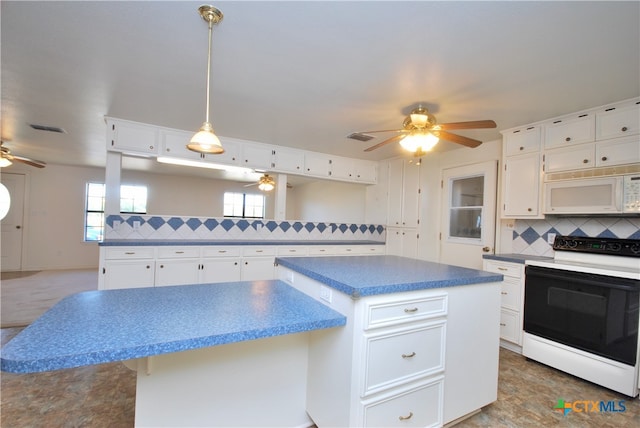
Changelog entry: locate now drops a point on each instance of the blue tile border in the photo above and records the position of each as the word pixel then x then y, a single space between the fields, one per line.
pixel 138 227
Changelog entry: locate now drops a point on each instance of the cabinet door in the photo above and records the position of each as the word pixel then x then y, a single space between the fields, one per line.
pixel 257 156
pixel 257 268
pixel 317 165
pixel 286 160
pixel 132 137
pixel 128 274
pixel 620 121
pixel 618 152
pixel 521 141
pixel 231 154
pixel 569 131
pixel 571 158
pixel 177 272
pixel 510 329
pixel 223 269
pixel 394 216
pixel 521 183
pixel 342 168
pixel 402 242
pixel 404 197
pixel 174 144
pixel 366 171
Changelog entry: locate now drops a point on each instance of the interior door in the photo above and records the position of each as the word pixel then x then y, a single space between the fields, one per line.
pixel 12 225
pixel 467 229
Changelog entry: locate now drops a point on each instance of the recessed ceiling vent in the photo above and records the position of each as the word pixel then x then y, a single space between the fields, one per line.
pixel 360 137
pixel 47 128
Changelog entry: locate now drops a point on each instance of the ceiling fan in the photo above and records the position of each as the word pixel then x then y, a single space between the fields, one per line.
pixel 421 132
pixel 6 158
pixel 266 183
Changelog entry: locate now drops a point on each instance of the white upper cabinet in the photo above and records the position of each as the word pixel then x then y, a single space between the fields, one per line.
pixel 521 141
pixel 569 131
pixel 618 121
pixel 618 152
pixel 231 155
pixel 521 186
pixel 257 156
pixel 317 164
pixel 174 144
pixel 404 194
pixel 137 138
pixel 288 160
pixel 570 158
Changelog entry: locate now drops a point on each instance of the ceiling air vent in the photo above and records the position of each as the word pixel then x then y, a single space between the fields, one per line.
pixel 360 137
pixel 47 128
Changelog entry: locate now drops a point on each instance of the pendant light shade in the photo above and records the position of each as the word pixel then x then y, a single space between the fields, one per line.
pixel 205 140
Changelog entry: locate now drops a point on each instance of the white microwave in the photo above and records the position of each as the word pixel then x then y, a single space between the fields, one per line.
pixel 585 196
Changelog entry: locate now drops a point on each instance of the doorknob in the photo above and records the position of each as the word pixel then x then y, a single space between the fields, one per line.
pixel 486 249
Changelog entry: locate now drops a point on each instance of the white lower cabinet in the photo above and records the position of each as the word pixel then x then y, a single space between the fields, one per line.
pixel 511 302
pixel 148 266
pixel 418 359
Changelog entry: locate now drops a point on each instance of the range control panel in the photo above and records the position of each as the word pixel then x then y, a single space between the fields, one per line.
pixel 610 246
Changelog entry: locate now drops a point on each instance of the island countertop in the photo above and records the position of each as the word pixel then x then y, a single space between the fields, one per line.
pixel 360 276
pixel 115 325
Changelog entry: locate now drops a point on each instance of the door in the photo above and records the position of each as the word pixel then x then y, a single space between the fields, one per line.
pixel 12 224
pixel 467 229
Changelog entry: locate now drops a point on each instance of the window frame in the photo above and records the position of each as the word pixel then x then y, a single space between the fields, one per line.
pixel 244 205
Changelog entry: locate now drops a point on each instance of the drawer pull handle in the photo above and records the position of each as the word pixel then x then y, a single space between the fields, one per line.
pixel 179 252
pixel 129 252
pixel 404 418
pixel 504 293
pixel 410 311
pixel 222 251
pixel 503 324
pixel 258 251
pixel 503 269
pixel 411 355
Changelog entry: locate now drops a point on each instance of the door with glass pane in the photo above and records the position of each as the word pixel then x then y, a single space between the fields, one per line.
pixel 468 214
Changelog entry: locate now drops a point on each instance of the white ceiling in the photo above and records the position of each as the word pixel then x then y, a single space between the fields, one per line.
pixel 305 74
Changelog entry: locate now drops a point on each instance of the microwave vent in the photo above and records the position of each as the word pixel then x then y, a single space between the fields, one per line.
pixel 594 172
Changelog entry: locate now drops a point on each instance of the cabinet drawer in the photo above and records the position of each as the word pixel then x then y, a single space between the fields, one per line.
pixel 258 251
pixel 178 252
pixel 215 251
pixel 510 292
pixel 345 249
pixel 296 250
pixel 390 313
pixel 132 252
pixel 401 356
pixel 321 250
pixel 505 268
pixel 421 406
pixel 373 249
pixel 510 326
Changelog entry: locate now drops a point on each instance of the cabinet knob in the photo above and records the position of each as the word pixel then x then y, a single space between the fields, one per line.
pixel 521 148
pixel 161 266
pixel 529 209
pixel 624 129
pixel 504 293
pixel 148 267
pixel 567 139
pixel 503 324
pixel 585 160
pixel 604 158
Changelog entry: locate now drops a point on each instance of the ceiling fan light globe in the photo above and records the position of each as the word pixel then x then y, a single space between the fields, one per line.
pixel 419 120
pixel 423 141
pixel 205 141
pixel 4 162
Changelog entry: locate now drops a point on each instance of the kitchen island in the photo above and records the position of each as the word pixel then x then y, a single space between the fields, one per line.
pixel 251 353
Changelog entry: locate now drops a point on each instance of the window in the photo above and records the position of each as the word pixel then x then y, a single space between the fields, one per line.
pixel 243 205
pixel 465 209
pixel 133 200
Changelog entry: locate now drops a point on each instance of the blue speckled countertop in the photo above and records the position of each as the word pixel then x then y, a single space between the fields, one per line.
pixel 115 325
pixel 514 258
pixel 369 275
pixel 160 242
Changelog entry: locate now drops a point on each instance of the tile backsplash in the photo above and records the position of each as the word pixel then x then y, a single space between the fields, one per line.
pixel 187 228
pixel 530 236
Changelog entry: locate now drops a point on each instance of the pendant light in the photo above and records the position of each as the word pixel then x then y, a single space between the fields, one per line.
pixel 205 140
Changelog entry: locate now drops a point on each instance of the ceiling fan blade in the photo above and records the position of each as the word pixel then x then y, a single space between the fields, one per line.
pixel 474 124
pixel 250 184
pixel 383 130
pixel 465 141
pixel 32 162
pixel 385 142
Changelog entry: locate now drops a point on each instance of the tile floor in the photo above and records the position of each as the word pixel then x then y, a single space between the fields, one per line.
pixel 104 396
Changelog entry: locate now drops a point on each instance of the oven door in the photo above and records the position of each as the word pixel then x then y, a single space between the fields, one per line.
pixel 594 313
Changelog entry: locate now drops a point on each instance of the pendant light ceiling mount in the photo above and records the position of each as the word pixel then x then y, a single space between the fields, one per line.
pixel 205 140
